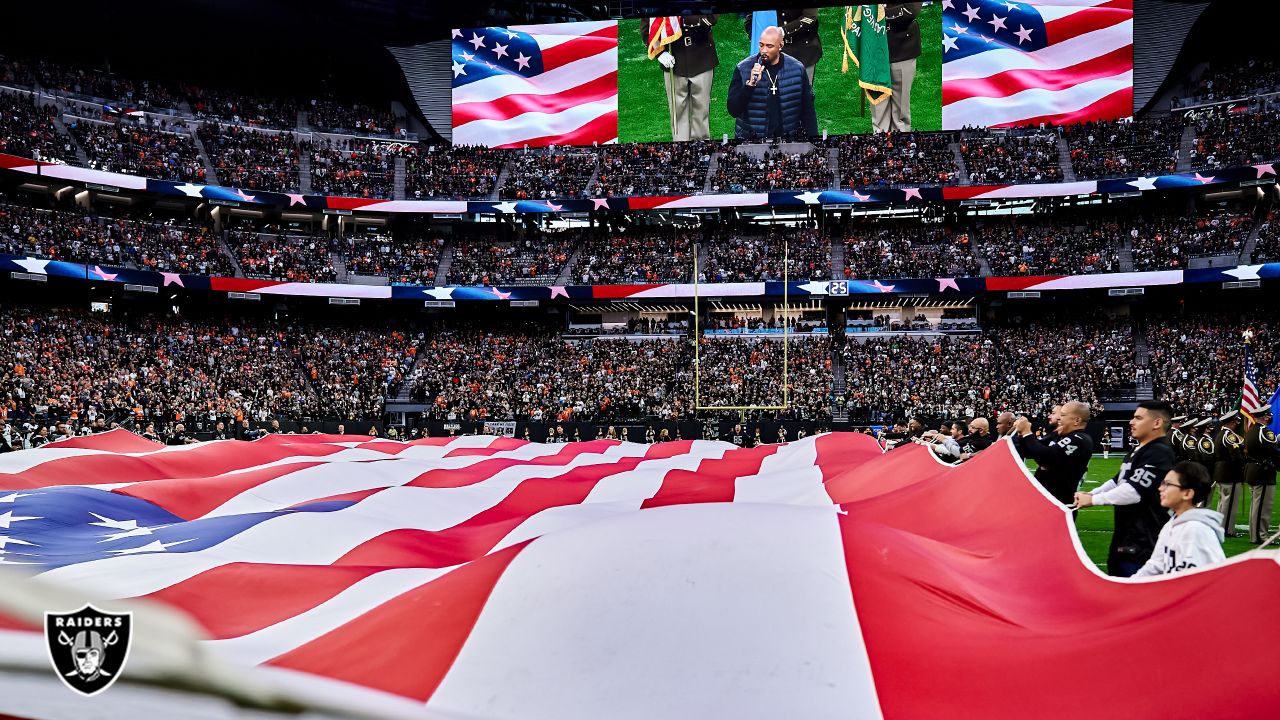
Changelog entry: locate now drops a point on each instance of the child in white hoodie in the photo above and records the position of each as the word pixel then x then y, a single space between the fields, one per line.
pixel 1193 537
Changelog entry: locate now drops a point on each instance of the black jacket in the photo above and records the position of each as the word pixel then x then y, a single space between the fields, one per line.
pixel 904 30
pixel 1061 462
pixel 1137 526
pixel 695 49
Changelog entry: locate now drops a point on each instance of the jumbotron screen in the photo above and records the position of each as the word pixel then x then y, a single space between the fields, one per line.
pixel 797 73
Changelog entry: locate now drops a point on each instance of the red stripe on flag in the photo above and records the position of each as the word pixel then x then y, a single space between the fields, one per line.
pixel 602 129
pixel 505 108
pixel 1010 82
pixel 1087 20
pixel 190 498
pixel 205 461
pixel 593 43
pixel 477 536
pixel 406 645
pixel 1014 282
pixel 969 588
pixel 714 480
pixel 1117 104
pixel 119 441
pixel 239 598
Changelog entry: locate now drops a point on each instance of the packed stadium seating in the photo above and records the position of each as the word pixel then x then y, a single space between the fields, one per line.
pixel 896 159
pixel 636 256
pixel 252 159
pixel 775 170
pixel 743 257
pixel 907 251
pixel 281 256
pixel 359 168
pixel 653 169
pixel 457 173
pixel 1143 147
pixel 27 130
pixel 1023 158
pixel 164 152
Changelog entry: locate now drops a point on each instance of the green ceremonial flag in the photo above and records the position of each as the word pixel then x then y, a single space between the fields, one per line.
pixel 866 42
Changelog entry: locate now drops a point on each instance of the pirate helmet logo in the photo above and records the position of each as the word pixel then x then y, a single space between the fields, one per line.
pixel 88 647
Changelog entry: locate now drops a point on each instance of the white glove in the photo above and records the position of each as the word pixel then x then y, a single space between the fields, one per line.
pixel 667 60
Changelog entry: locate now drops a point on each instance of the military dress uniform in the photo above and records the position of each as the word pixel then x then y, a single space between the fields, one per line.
pixel 1228 471
pixel 1262 454
pixel 894 114
pixel 688 82
pixel 799 36
pixel 1177 436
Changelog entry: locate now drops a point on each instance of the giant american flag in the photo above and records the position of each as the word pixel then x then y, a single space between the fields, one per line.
pixel 536 85
pixel 1021 63
pixel 487 577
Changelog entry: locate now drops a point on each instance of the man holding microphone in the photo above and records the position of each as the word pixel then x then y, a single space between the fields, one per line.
pixel 770 94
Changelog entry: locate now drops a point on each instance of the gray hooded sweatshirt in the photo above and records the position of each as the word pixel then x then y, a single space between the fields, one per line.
pixel 1192 539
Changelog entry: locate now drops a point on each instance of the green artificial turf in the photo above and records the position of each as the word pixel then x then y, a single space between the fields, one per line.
pixel 1094 524
pixel 642 107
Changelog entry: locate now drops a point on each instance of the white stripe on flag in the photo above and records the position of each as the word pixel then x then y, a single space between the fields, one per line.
pixel 1031 103
pixel 548 36
pixel 531 125
pixel 790 476
pixel 565 77
pixel 1051 10
pixel 1055 57
pixel 717 610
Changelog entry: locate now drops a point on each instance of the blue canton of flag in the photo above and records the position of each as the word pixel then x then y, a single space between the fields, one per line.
pixel 480 53
pixel 973 27
pixel 65 525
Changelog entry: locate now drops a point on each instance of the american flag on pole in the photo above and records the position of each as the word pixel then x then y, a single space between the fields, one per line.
pixel 487 577
pixel 1051 61
pixel 536 85
pixel 662 32
pixel 1250 401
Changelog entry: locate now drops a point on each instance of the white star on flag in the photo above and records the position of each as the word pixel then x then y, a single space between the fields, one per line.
pixel 499 294
pixel 908 193
pixel 944 283
pixel 1267 169
pixel 809 198
pixel 13 497
pixel 558 291
pixel 971 12
pixel 34 266
pixel 153 546
pixel 504 207
pixel 440 293
pixel 1144 183
pixel 107 522
pixel 599 203
pixel 948 43
pixel 511 35
pixel 8 518
pixel 1024 35
pixel 295 199
pixel 859 197
pixel 476 41
pixel 522 61
pixel 459 69
pixel 882 288
pixel 996 22
pixel 189 190
pixel 959 29
pixel 5 540
pixel 468 56
pixel 456 33
pixel 1244 272
pixel 1012 6
pixel 1204 180
pixel 172 278
pixel 500 50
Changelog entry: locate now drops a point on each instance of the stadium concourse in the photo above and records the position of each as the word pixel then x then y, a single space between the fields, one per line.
pixel 363 419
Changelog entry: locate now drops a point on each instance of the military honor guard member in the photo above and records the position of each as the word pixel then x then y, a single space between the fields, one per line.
pixel 688 60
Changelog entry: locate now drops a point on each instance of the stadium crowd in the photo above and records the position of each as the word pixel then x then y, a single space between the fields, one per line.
pixel 640 255
pixel 738 172
pixel 252 159
pixel 536 175
pixel 1049 247
pixel 410 258
pixel 907 251
pixel 358 168
pixel 1024 158
pixel 889 160
pixel 163 151
pixel 281 256
pixel 1101 149
pixel 444 172
pixel 653 169
pixel 532 260
pixel 27 130
pixel 741 257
